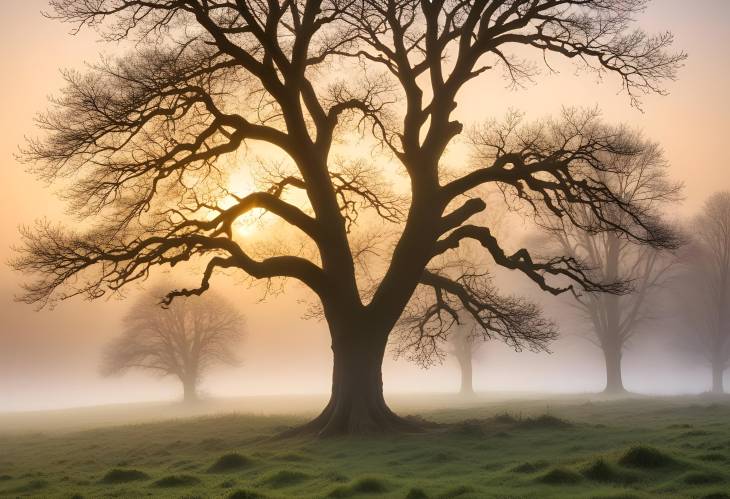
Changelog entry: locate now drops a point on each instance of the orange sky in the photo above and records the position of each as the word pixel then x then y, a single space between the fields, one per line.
pixel 45 356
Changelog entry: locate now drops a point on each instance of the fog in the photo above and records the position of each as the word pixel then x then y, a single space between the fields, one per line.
pixel 49 359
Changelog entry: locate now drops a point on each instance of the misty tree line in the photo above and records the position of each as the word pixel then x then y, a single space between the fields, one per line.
pixel 145 144
pixel 192 335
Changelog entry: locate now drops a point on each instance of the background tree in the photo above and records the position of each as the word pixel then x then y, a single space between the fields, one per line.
pixel 183 340
pixel 703 289
pixel 145 140
pixel 463 349
pixel 615 319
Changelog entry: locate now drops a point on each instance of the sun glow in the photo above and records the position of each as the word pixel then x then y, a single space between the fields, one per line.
pixel 240 185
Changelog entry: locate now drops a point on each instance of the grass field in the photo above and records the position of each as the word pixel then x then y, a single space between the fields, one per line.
pixel 562 447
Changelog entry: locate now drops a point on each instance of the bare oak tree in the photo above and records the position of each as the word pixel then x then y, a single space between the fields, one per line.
pixel 184 340
pixel 616 319
pixel 704 286
pixel 144 139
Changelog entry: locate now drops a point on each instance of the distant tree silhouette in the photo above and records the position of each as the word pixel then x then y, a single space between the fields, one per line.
pixel 183 340
pixel 703 288
pixel 463 347
pixel 615 319
pixel 147 139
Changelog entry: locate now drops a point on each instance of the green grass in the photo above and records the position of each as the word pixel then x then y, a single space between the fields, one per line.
pixel 566 447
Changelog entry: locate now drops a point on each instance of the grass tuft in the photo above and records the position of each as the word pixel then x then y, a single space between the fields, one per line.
pixel 230 462
pixel 177 481
pixel 468 428
pixel 366 485
pixel 713 457
pixel 441 457
pixel 118 475
pixel 695 433
pixel 701 478
pixel 600 471
pixel 560 476
pixel 456 492
pixel 32 486
pixel 416 494
pixel 505 418
pixel 716 495
pixel 291 457
pixel 246 494
pixel 530 467
pixel 334 476
pixel 544 421
pixel 645 457
pixel 624 495
pixel 369 485
pixel 285 478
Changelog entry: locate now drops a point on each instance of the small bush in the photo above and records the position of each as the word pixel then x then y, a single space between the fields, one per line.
pixel 4 478
pixel 645 457
pixel 177 481
pixel 118 475
pixel 229 462
pixel 560 476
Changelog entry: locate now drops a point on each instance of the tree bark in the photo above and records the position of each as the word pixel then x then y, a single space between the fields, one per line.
pixel 357 404
pixel 614 380
pixel 717 381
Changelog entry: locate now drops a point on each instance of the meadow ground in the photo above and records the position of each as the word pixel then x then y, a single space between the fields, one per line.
pixel 579 446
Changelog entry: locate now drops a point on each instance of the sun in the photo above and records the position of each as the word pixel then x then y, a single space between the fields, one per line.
pixel 241 184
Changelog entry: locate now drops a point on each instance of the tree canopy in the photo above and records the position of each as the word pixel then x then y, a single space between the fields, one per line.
pixel 143 140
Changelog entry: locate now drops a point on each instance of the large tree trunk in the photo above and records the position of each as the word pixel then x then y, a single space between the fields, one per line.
pixel 614 381
pixel 357 405
pixel 717 381
pixel 465 363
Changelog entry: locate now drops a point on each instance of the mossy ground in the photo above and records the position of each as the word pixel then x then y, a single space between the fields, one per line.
pixel 583 448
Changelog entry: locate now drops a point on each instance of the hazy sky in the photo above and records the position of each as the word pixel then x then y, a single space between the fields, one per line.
pixel 49 359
